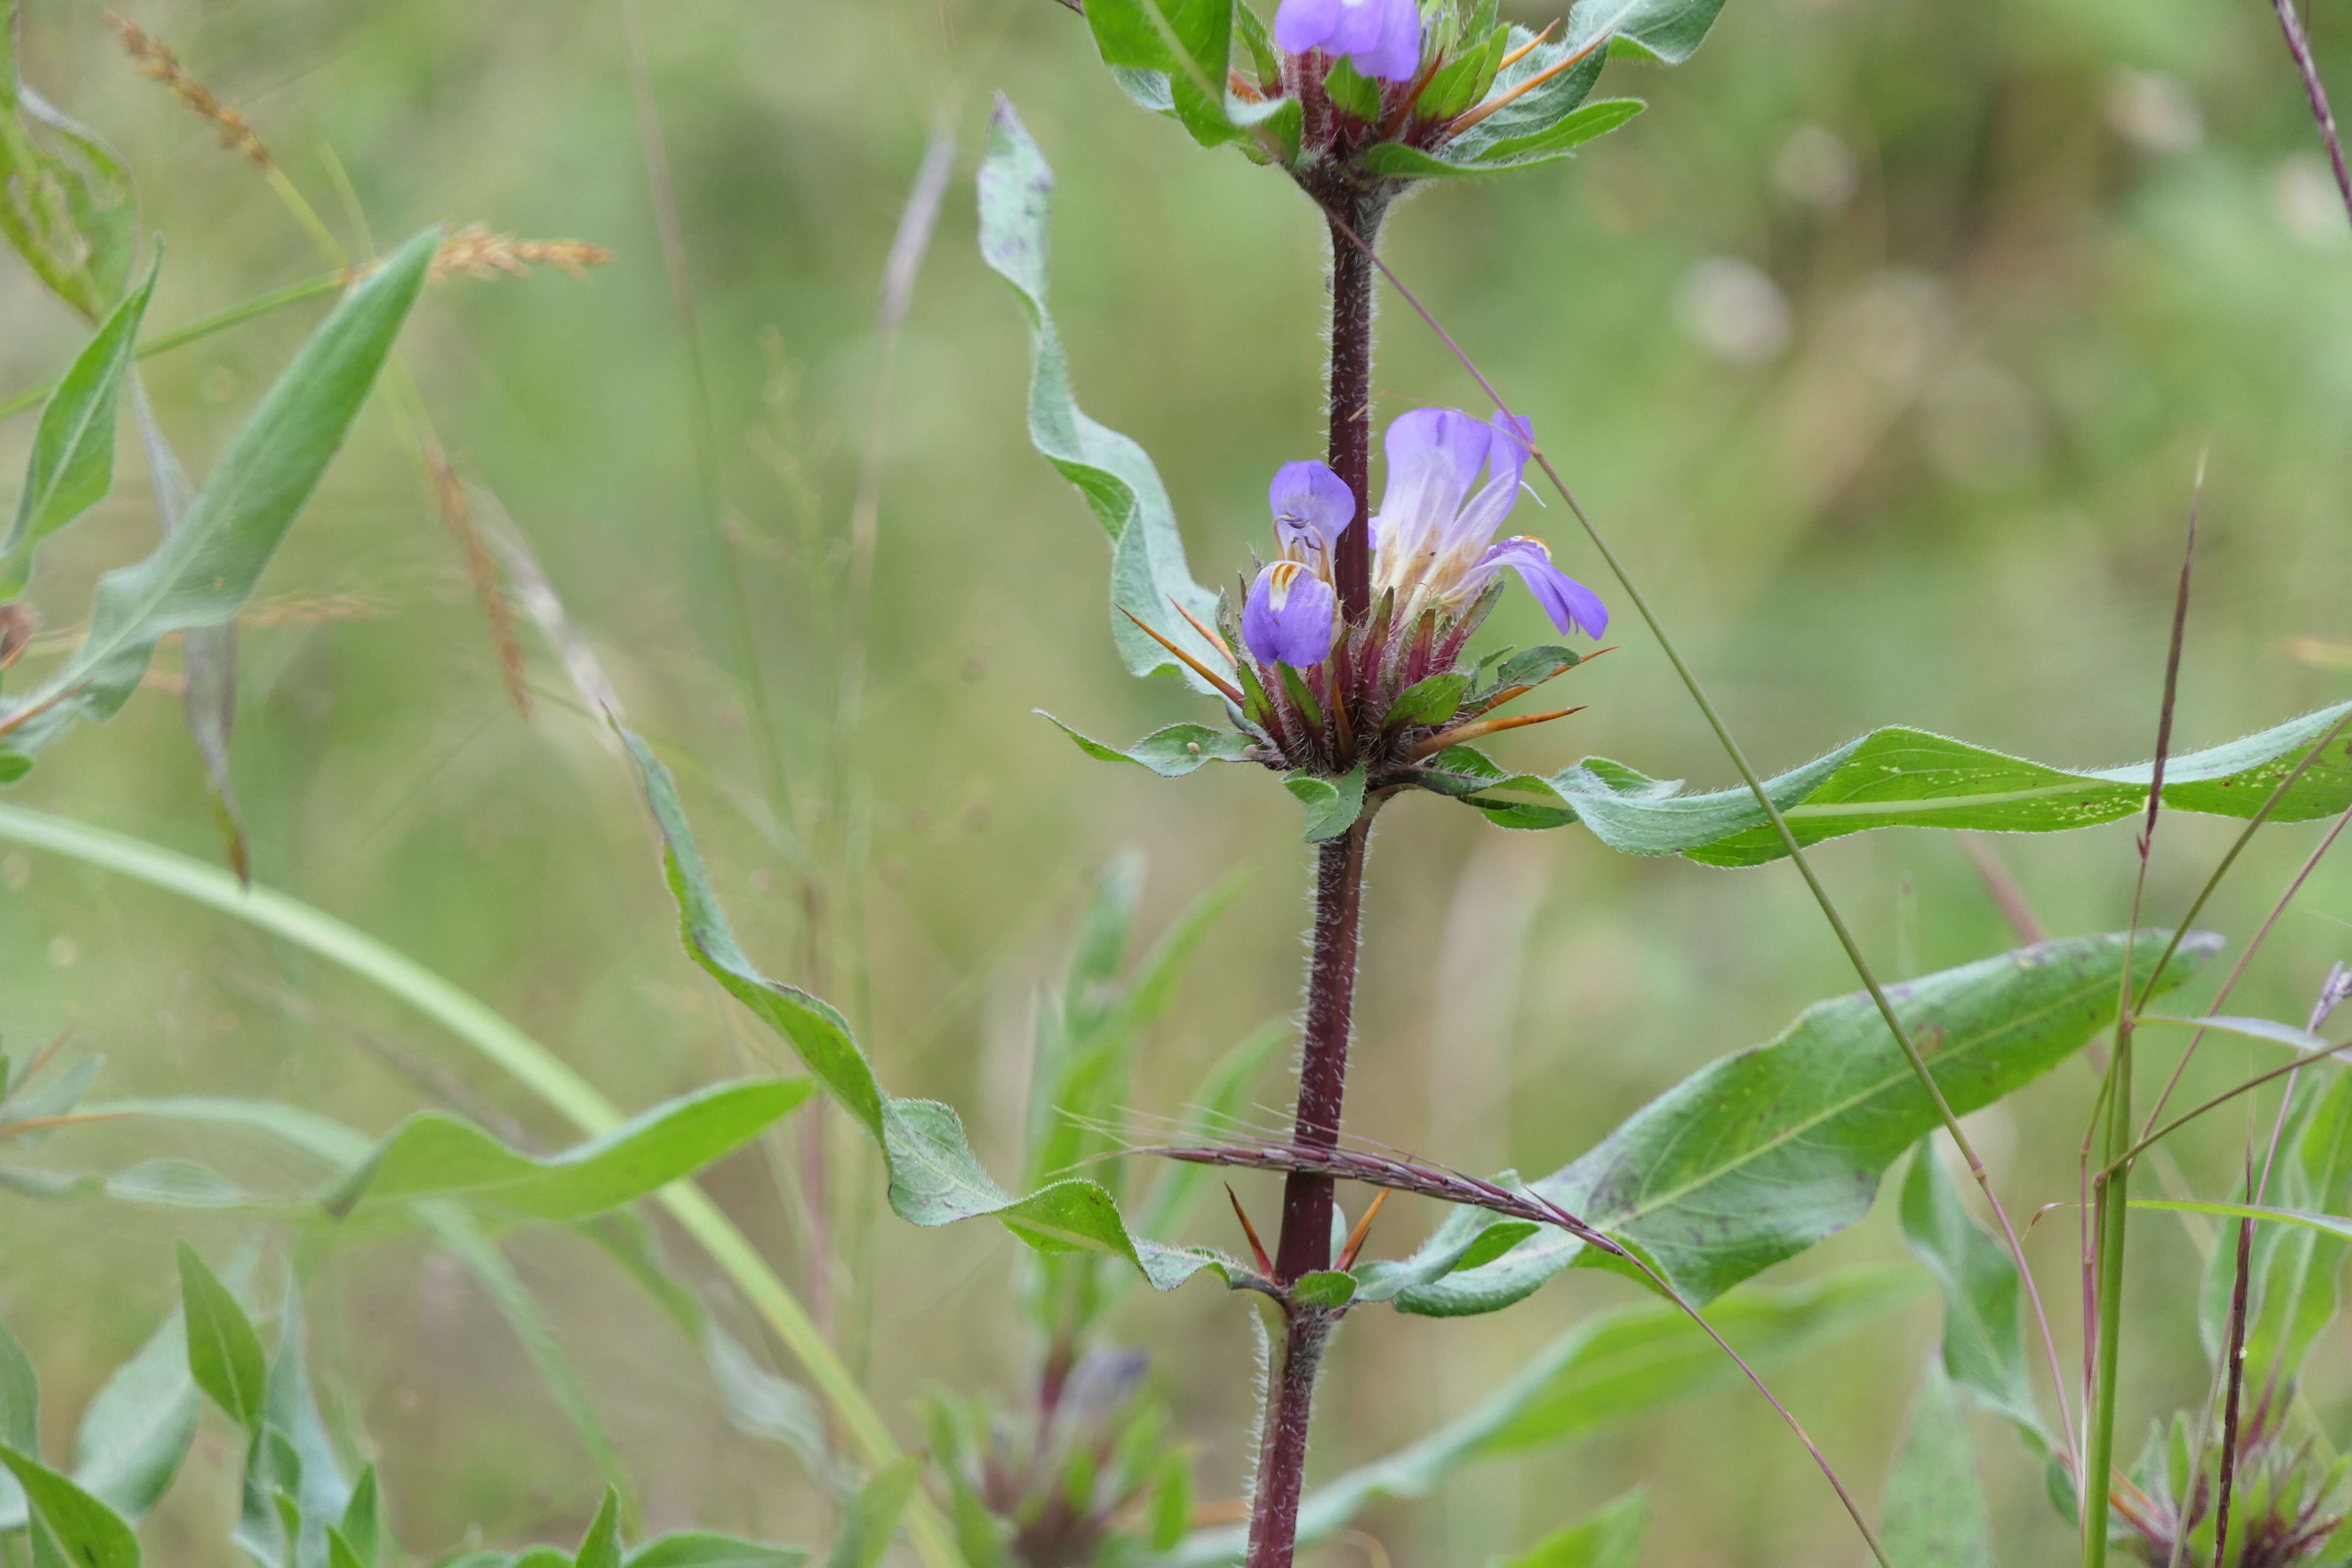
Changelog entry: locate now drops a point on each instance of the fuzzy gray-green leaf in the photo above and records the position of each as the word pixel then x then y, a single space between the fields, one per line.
pixel 1148 574
pixel 1755 1158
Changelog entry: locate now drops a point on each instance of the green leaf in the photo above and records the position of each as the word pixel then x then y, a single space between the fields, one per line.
pixel 294 1485
pixel 1935 1514
pixel 72 465
pixel 435 1155
pixel 1353 93
pixel 872 1517
pixel 934 1178
pixel 1665 30
pixel 1602 1371
pixel 225 1353
pixel 1430 701
pixel 1610 1539
pixel 1174 57
pixel 1332 804
pixel 1148 574
pixel 703 1549
pixel 1499 156
pixel 1908 778
pixel 601 1547
pixel 498 1042
pixel 1984 1313
pixel 136 1430
pixel 362 1530
pixel 1538 111
pixel 20 1422
pixel 1755 1158
pixel 1172 753
pixel 2294 1271
pixel 1327 1288
pixel 88 1533
pixel 65 196
pixel 202 575
pixel 341 1553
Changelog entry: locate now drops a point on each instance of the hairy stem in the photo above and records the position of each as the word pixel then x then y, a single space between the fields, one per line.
pixel 1307 1198
pixel 1351 390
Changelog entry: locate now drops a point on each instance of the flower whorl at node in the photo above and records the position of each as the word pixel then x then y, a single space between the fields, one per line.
pixel 1393 689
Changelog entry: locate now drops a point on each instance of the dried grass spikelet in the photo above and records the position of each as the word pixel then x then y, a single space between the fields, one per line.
pixel 315 610
pixel 476 252
pixel 457 510
pixel 160 64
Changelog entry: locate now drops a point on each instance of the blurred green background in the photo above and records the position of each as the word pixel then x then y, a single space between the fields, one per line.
pixel 1885 344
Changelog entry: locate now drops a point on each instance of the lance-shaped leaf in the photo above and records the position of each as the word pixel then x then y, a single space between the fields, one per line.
pixel 223 1351
pixel 1984 1312
pixel 435 1155
pixel 1935 1514
pixel 1172 753
pixel 1174 57
pixel 1907 778
pixel 1605 1370
pixel 1759 1156
pixel 1559 140
pixel 65 196
pixel 934 1178
pixel 1148 574
pixel 72 465
pixel 1610 1539
pixel 88 1533
pixel 202 575
pixel 1332 804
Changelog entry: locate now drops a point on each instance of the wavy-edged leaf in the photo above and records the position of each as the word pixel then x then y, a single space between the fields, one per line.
pixel 1172 753
pixel 64 195
pixel 1935 1514
pixel 1604 1369
pixel 435 1155
pixel 72 465
pixel 1984 1311
pixel 1909 778
pixel 89 1533
pixel 1610 1539
pixel 934 1178
pixel 1759 1155
pixel 202 575
pixel 1148 574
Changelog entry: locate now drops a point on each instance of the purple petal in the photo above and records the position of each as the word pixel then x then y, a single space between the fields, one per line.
pixel 1358 28
pixel 1290 616
pixel 1571 606
pixel 1397 56
pixel 1303 24
pixel 1507 442
pixel 1433 455
pixel 1311 505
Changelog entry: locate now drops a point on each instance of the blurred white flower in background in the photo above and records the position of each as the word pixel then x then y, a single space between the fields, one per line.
pixel 2154 113
pixel 1814 169
pixel 1733 310
pixel 2304 196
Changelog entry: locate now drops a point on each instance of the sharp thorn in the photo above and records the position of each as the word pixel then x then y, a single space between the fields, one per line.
pixel 1363 1228
pixel 1258 1249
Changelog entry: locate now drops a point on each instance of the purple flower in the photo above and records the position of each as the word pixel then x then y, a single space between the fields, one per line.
pixel 1434 535
pixel 1571 606
pixel 1312 507
pixel 1380 37
pixel 1291 617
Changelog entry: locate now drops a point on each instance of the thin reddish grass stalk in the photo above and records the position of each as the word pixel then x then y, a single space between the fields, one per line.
pixel 1772 812
pixel 2298 44
pixel 2237 1355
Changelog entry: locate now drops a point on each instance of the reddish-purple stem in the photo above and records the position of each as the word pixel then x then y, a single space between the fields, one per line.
pixel 2299 45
